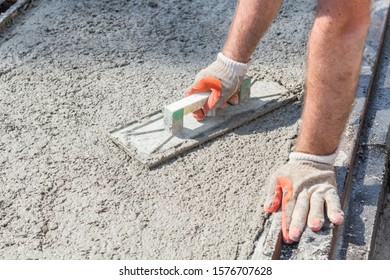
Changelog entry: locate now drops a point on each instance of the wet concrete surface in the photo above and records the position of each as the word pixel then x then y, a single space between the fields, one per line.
pixel 72 70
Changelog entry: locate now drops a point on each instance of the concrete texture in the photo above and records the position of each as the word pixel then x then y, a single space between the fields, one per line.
pixel 10 9
pixel 269 244
pixel 72 70
pixel 370 181
pixel 368 190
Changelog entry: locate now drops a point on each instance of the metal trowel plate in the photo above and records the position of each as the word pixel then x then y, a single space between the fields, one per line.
pixel 147 140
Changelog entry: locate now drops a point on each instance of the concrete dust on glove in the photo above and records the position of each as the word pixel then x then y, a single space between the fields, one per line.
pixel 223 78
pixel 302 188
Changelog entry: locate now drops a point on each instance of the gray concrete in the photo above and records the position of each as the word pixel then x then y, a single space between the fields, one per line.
pixel 72 70
pixel 268 244
pixel 369 185
pixel 367 196
pixel 7 16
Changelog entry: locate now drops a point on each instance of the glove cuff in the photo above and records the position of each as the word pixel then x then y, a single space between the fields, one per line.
pixel 328 159
pixel 236 68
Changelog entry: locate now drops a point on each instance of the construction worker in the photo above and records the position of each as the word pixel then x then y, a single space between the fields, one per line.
pixel 306 183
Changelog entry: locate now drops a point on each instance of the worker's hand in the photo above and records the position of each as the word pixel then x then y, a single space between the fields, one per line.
pixel 223 78
pixel 302 188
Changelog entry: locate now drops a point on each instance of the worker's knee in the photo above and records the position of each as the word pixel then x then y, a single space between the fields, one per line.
pixel 343 16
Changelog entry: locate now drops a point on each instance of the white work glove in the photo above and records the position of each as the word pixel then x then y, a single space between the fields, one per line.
pixel 302 187
pixel 223 78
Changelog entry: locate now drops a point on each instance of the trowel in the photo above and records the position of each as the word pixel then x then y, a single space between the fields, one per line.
pixel 173 130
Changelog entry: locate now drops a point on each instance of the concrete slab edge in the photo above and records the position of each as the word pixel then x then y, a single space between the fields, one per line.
pixel 268 245
pixel 366 203
pixel 13 11
pixel 381 198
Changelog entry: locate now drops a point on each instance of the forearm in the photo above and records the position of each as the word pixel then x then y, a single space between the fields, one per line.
pixel 334 59
pixel 251 20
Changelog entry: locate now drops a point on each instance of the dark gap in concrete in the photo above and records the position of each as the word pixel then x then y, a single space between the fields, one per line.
pixel 288 251
pixel 382 244
pixel 5 5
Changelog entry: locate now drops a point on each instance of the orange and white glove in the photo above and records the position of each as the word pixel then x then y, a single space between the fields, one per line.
pixel 223 78
pixel 302 187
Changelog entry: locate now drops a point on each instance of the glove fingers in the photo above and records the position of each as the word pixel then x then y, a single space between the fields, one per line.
pixel 198 115
pixel 224 105
pixel 288 203
pixel 274 197
pixel 203 85
pixel 333 207
pixel 299 216
pixel 212 100
pixel 273 204
pixel 234 99
pixel 316 213
pixel 287 210
pixel 208 84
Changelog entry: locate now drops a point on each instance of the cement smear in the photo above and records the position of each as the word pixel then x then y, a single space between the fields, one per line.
pixel 72 70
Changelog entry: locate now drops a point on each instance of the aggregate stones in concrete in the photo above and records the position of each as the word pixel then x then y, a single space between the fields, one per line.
pixel 72 70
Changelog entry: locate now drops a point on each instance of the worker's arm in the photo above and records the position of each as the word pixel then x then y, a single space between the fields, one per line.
pixel 224 77
pixel 251 20
pixel 307 182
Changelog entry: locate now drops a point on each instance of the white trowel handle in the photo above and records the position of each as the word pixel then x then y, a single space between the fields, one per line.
pixel 175 112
